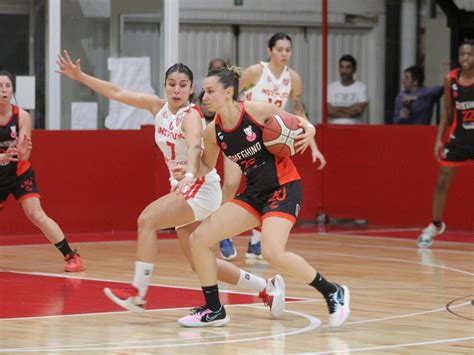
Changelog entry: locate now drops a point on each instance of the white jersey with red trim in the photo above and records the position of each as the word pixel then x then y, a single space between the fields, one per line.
pixel 271 89
pixel 170 138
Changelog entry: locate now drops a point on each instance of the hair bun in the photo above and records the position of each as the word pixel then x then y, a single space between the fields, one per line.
pixel 237 71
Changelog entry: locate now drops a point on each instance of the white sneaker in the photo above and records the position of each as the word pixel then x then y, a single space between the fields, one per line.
pixel 273 295
pixel 426 238
pixel 127 298
pixel 338 305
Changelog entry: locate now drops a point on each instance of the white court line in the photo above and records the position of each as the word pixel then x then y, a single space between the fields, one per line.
pixel 313 324
pixel 382 230
pixel 404 345
pixel 378 246
pixel 408 315
pixel 375 237
pixel 398 260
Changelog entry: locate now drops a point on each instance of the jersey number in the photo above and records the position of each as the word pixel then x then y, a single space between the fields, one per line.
pixel 173 152
pixel 277 103
pixel 468 115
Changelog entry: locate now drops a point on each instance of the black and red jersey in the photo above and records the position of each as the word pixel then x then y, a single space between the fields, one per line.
pixel 8 134
pixel 243 144
pixel 462 98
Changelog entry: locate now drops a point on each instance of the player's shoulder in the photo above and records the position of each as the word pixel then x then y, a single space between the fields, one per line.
pixel 295 76
pixel 254 69
pixel 23 114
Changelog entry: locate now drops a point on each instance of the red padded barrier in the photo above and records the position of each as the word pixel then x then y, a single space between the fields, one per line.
pixel 387 174
pixel 100 181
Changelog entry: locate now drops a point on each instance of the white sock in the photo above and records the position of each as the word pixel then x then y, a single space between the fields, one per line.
pixel 247 280
pixel 142 277
pixel 256 235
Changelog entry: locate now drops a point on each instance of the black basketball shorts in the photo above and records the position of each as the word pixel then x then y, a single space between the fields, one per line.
pixel 283 201
pixel 22 187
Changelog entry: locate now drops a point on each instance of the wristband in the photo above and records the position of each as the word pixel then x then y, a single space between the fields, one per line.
pixel 189 175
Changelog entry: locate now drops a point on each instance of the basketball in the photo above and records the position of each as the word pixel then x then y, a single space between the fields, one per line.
pixel 279 134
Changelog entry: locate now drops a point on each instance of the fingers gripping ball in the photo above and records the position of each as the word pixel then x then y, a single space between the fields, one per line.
pixel 279 134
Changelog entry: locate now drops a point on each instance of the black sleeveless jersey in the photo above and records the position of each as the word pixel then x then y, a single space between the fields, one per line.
pixel 8 134
pixel 462 98
pixel 243 145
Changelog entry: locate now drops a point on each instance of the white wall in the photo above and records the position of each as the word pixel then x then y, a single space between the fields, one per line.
pixel 355 27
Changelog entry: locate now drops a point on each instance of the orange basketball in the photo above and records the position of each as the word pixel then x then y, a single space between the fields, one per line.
pixel 279 134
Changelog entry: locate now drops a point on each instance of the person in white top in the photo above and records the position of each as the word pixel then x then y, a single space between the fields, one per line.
pixel 347 98
pixel 274 82
pixel 178 133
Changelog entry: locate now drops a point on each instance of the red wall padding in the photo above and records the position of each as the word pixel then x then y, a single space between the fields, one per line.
pixel 94 181
pixel 387 174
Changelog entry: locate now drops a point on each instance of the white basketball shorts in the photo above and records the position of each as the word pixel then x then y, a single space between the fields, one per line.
pixel 204 197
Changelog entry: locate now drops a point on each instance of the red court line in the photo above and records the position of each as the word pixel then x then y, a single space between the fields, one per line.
pixel 27 295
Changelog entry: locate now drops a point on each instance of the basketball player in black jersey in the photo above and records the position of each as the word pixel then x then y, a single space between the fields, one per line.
pixel 18 178
pixel 272 198
pixel 459 151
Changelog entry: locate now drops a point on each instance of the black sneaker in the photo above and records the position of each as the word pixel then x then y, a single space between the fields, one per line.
pixel 338 305
pixel 204 317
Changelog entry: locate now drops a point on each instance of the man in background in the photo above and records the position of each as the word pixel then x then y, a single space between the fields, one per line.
pixel 414 104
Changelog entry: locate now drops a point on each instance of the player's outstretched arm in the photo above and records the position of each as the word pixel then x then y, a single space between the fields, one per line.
pixel 72 70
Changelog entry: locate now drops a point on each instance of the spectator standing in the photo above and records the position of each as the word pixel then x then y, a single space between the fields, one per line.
pixel 414 104
pixel 347 98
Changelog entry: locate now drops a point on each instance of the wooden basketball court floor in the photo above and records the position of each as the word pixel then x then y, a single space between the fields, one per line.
pixel 403 300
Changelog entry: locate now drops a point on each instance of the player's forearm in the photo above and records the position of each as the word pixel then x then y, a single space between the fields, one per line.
pixel 102 87
pixel 443 124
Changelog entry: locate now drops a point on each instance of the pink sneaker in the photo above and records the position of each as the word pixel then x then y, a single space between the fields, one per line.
pixel 204 317
pixel 273 295
pixel 74 262
pixel 127 298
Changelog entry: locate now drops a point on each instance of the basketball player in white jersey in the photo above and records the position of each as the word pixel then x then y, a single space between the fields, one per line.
pixel 179 127
pixel 274 82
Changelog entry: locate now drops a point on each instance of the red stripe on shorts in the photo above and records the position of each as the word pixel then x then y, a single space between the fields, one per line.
pixel 193 190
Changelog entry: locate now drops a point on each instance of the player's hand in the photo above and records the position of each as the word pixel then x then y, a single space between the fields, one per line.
pixel 183 185
pixel 178 173
pixel 67 67
pixel 11 154
pixel 304 139
pixel 317 155
pixel 438 150
pixel 24 146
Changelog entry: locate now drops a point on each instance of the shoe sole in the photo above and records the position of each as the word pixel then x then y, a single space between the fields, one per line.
pixel 124 304
pixel 278 304
pixel 80 270
pixel 347 301
pixel 216 323
pixel 230 257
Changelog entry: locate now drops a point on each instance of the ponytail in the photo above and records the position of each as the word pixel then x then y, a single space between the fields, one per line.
pixel 229 77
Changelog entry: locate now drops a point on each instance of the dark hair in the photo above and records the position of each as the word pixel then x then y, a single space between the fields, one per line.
pixel 276 37
pixel 417 73
pixel 350 59
pixel 10 76
pixel 228 76
pixel 467 42
pixel 181 68
pixel 213 61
